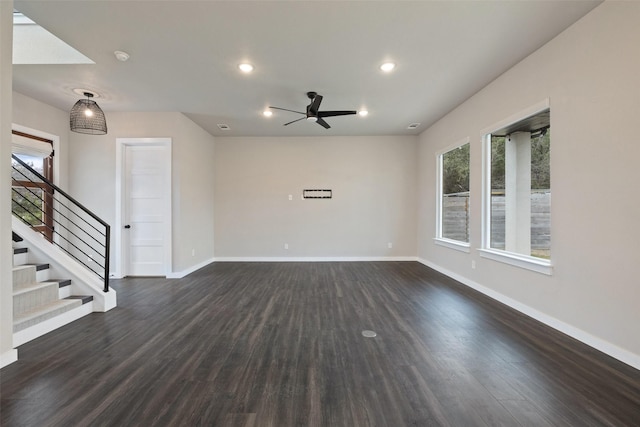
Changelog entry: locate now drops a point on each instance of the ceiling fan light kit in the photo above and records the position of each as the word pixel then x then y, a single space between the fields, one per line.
pixel 313 114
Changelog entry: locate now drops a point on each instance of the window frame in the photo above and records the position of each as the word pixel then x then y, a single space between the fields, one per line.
pixel 46 227
pixel 527 262
pixel 439 239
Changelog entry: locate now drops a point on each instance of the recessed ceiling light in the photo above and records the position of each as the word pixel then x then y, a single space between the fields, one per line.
pixel 267 113
pixel 413 125
pixel 245 67
pixel 387 67
pixel 363 113
pixel 222 126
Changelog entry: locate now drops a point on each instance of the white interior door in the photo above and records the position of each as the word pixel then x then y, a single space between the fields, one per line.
pixel 145 210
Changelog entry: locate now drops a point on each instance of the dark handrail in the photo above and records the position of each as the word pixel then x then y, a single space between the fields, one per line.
pixel 55 189
pixel 27 209
pixel 59 190
pixel 60 213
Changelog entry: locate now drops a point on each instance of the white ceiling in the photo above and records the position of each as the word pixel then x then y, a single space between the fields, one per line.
pixel 184 57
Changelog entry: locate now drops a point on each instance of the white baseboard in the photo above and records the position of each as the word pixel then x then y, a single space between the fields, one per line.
pixel 314 259
pixel 183 273
pixel 8 357
pixel 606 347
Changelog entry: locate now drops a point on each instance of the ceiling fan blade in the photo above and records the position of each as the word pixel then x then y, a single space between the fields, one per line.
pixel 322 123
pixel 315 104
pixel 297 120
pixel 335 113
pixel 284 109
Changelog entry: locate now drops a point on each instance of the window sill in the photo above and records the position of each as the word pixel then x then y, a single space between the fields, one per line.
pixel 452 244
pixel 529 263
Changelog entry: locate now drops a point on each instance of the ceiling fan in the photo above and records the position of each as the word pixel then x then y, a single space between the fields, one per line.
pixel 313 115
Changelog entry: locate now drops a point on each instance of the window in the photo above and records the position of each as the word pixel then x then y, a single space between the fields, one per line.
pixel 453 197
pixel 517 193
pixel 30 201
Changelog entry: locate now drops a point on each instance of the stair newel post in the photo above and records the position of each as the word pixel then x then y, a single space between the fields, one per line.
pixel 107 246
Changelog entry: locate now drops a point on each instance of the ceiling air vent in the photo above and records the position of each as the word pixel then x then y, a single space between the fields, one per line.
pixel 317 194
pixel 222 126
pixel 413 125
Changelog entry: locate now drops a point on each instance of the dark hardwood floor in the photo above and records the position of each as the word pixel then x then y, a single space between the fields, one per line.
pixel 280 344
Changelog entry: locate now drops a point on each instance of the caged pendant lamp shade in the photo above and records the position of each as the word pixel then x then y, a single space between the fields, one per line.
pixel 87 117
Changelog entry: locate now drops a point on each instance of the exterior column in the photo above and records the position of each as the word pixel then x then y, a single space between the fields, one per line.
pixel 518 193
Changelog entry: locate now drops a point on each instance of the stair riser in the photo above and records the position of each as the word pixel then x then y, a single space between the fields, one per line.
pixel 20 259
pixel 43 275
pixel 64 292
pixel 28 301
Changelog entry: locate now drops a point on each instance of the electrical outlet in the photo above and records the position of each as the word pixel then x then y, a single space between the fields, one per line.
pixel 390 245
pixel 193 252
pixel 290 196
pixel 286 246
pixel 473 264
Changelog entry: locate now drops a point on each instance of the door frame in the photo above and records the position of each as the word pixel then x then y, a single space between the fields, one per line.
pixel 121 241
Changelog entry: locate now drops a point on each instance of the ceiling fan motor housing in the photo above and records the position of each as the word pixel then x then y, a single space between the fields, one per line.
pixel 313 115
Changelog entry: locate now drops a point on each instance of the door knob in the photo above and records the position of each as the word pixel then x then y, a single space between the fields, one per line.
pixel 127 226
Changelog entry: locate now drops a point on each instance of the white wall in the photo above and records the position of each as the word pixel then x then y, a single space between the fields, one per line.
pixel 193 221
pixel 92 161
pixel 590 73
pixel 373 180
pixel 7 353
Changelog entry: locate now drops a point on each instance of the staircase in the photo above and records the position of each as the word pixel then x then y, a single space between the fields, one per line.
pixel 54 236
pixel 41 303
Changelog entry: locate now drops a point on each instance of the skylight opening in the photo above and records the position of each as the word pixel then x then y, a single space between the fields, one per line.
pixel 32 44
pixel 20 19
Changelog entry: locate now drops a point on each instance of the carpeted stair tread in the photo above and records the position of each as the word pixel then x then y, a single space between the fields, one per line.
pixel 28 273
pixel 23 275
pixel 44 312
pixel 33 296
pixel 34 287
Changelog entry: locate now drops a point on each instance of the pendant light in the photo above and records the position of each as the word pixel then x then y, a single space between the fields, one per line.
pixel 87 117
